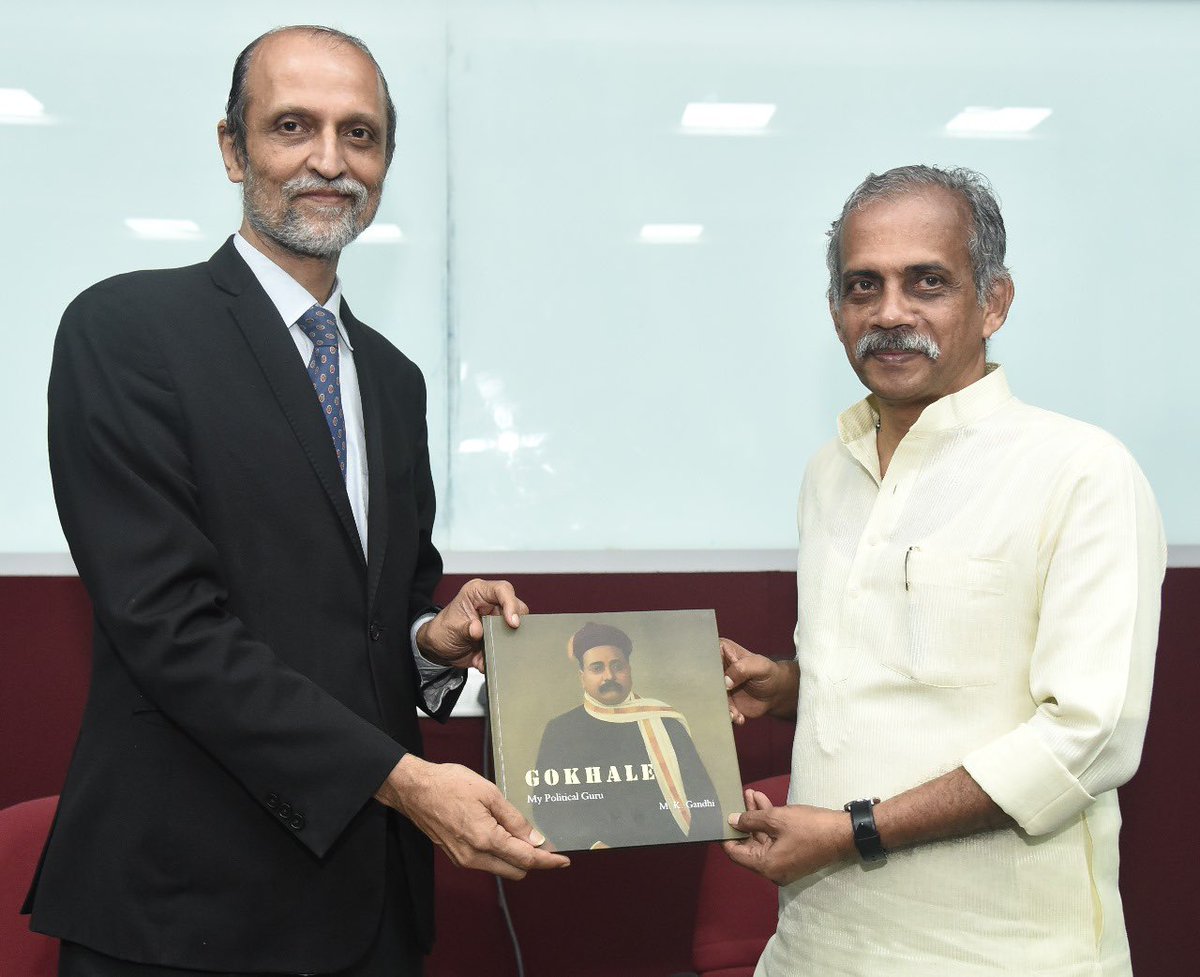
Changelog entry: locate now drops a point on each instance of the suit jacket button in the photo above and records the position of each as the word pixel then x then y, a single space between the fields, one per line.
pixel 375 631
pixel 272 801
pixel 285 811
pixel 297 822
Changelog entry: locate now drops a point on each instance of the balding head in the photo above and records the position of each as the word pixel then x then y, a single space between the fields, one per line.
pixel 240 89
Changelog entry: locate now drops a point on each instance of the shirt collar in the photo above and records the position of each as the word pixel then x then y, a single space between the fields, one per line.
pixel 288 296
pixel 954 410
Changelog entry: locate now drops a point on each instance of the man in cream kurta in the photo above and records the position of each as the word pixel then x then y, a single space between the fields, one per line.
pixel 978 611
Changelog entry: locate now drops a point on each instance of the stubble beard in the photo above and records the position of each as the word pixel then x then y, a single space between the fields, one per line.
pixel 322 236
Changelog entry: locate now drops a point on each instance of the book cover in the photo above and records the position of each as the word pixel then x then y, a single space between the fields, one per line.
pixel 612 730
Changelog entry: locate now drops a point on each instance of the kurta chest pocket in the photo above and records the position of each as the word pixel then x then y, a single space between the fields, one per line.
pixel 956 613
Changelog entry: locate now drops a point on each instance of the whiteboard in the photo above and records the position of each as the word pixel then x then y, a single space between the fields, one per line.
pixel 592 392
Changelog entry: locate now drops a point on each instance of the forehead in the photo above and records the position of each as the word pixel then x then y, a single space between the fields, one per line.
pixel 315 72
pixel 930 226
pixel 602 654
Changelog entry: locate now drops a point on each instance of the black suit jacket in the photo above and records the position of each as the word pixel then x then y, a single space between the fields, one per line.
pixel 252 682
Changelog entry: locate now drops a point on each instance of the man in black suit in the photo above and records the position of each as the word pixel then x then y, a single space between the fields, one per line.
pixel 241 470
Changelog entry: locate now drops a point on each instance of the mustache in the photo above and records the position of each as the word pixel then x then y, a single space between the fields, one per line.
pixel 343 184
pixel 611 686
pixel 896 341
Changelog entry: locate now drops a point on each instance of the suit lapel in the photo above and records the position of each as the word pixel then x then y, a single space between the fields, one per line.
pixel 377 509
pixel 267 336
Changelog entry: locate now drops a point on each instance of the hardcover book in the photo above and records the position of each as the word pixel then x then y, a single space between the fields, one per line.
pixel 612 730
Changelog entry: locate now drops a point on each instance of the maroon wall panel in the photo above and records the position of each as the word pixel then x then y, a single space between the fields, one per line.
pixel 45 631
pixel 1158 873
pixel 45 663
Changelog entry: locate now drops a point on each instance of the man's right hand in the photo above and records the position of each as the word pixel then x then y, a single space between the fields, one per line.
pixel 757 685
pixel 466 817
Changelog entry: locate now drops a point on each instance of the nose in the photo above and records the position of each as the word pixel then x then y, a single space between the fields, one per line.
pixel 327 159
pixel 893 309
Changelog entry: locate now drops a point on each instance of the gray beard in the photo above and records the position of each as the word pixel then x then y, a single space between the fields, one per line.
pixel 303 235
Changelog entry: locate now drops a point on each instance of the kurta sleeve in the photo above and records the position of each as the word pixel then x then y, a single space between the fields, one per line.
pixel 1102 558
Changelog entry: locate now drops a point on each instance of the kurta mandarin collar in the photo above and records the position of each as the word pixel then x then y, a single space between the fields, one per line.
pixel 955 410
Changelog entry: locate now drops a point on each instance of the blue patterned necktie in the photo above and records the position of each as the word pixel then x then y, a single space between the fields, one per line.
pixel 321 328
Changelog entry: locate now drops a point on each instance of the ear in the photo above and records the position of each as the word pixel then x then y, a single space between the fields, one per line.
pixel 999 301
pixel 235 166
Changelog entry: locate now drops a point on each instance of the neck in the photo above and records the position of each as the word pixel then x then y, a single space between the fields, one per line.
pixel 894 424
pixel 315 275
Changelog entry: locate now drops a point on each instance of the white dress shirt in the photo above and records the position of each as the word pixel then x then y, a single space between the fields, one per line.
pixel 293 300
pixel 991 602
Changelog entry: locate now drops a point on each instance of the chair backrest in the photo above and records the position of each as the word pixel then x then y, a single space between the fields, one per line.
pixel 736 910
pixel 23 830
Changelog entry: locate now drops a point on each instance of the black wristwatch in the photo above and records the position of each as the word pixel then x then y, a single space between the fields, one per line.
pixel 866 835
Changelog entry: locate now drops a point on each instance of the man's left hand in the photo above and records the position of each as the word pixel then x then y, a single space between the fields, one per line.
pixel 789 842
pixel 455 636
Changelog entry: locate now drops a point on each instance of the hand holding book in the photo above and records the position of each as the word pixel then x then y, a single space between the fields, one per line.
pixel 455 636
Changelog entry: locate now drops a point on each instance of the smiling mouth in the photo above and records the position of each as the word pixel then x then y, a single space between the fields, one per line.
pixel 895 354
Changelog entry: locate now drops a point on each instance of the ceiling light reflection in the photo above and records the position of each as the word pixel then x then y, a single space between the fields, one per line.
pixel 382 234
pixel 19 107
pixel 976 121
pixel 508 442
pixel 489 387
pixel 727 117
pixel 163 229
pixel 671 233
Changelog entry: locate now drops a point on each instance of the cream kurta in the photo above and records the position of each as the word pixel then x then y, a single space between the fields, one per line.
pixel 992 603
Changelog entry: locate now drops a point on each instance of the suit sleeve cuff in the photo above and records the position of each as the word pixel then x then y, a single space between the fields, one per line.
pixel 1027 781
pixel 439 684
pixel 320 827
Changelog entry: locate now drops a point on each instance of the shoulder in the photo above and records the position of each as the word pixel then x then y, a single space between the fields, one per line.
pixel 830 453
pixel 137 286
pixel 376 345
pixel 571 719
pixel 127 319
pixel 1061 442
pixel 124 302
pixel 1077 469
pixel 570 716
pixel 832 457
pixel 676 728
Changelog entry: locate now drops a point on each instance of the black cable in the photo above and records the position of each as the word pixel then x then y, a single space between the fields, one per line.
pixel 501 898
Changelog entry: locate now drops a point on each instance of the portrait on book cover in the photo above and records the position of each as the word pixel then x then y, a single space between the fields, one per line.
pixel 621 717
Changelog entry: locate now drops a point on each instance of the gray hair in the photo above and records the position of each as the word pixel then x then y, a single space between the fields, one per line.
pixel 985 243
pixel 235 107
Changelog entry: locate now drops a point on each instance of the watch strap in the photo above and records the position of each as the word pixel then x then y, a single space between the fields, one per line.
pixel 866 835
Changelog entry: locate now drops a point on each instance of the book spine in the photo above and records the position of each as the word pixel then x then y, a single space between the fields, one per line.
pixel 493 695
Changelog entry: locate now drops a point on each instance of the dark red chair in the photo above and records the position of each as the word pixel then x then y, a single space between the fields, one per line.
pixel 23 830
pixel 736 910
